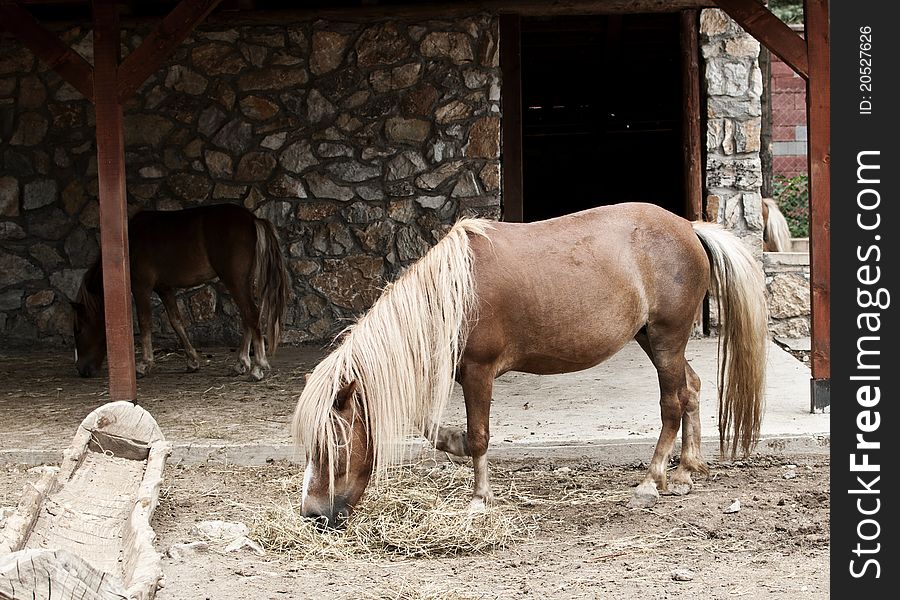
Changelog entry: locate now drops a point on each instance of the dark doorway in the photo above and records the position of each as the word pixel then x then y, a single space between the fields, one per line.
pixel 602 111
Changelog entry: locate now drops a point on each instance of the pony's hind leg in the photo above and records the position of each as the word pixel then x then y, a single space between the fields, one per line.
pixel 691 460
pixel 670 367
pixel 252 333
pixel 177 321
pixel 242 366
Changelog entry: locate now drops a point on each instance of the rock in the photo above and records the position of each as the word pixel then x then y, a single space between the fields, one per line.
pixel 743 46
pixel 372 193
pixel 353 171
pixel 211 118
pixel 235 136
pixel 31 130
pixel 182 79
pixel 274 141
pixel 377 237
pixel 318 107
pixel 186 550
pixel 410 244
pixel 11 299
pixel 431 202
pixel 352 282
pixel 381 44
pixel 682 575
pixel 328 49
pixel 715 22
pixel 298 157
pixel 52 225
pixel 490 177
pixel 473 78
pixel 433 179
pixel 320 186
pixel 285 186
pixel 255 166
pixel 332 150
pixel 454 110
pixel 81 248
pixel 203 304
pixel 746 135
pixel 190 187
pixel 40 299
pixel 9 197
pixel 788 296
pixel 218 164
pixel 258 108
pixel 790 474
pixel 273 78
pixel 10 230
pixel 146 129
pixel 404 165
pixel 217 59
pixel 363 212
pixel 733 507
pixel 447 44
pixel 398 78
pixel 224 191
pixel 332 239
pixel 484 139
pixel 465 187
pixel 315 211
pixel 32 93
pixel 17 270
pixel 727 77
pixel 46 255
pixel 404 130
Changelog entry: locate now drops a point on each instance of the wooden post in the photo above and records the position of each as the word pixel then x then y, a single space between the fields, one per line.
pixel 511 99
pixel 690 130
pixel 818 115
pixel 113 203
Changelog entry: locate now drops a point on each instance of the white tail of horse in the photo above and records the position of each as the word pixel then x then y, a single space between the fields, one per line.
pixel 777 233
pixel 739 285
pixel 402 354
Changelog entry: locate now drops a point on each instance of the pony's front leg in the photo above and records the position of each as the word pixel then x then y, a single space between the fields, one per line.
pixel 477 383
pixel 145 322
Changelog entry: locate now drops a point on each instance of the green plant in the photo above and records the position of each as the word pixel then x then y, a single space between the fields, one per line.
pixel 789 11
pixel 792 195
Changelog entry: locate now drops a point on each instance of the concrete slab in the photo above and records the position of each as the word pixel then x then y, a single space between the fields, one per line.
pixel 608 413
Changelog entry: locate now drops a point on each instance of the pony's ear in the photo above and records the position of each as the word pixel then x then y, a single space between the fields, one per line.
pixel 344 395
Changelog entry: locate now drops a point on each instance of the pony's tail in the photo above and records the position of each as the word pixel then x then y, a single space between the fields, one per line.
pixel 272 281
pixel 738 284
pixel 777 233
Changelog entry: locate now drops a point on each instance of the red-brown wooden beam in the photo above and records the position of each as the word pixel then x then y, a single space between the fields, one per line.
pixel 511 104
pixel 48 48
pixel 113 203
pixel 159 44
pixel 690 130
pixel 770 30
pixel 818 115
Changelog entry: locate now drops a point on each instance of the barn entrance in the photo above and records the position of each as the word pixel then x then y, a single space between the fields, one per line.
pixel 602 107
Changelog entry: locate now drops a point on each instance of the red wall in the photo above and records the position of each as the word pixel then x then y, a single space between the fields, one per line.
pixel 788 120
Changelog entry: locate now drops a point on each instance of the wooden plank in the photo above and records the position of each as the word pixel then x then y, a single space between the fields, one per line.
pixel 691 117
pixel 113 203
pixel 759 22
pixel 48 48
pixel 524 8
pixel 818 115
pixel 511 104
pixel 160 43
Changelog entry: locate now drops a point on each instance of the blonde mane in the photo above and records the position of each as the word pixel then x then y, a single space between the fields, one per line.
pixel 402 354
pixel 777 233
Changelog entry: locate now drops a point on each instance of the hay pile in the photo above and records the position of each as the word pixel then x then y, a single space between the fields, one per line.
pixel 411 512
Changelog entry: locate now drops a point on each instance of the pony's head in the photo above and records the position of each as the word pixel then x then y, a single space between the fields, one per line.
pixel 89 327
pixel 338 469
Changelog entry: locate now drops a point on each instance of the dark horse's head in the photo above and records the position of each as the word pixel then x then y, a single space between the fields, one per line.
pixel 90 324
pixel 338 472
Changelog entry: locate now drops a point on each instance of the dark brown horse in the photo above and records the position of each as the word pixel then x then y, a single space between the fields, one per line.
pixel 181 249
pixel 555 296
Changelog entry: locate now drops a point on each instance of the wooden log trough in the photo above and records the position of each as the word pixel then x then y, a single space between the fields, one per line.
pixel 84 530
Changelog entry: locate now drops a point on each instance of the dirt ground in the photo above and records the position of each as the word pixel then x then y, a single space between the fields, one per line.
pixel 586 543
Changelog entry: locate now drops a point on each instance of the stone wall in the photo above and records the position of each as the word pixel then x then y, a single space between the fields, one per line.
pixel 787 291
pixel 362 142
pixel 733 89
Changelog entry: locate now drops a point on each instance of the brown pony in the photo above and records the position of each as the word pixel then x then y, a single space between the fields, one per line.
pixel 776 233
pixel 184 248
pixel 555 296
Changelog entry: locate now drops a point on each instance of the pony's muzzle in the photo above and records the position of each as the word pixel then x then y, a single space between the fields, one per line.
pixel 329 519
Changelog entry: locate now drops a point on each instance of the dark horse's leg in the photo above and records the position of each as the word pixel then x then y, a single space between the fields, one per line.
pixel 177 321
pixel 678 387
pixel 243 297
pixel 145 322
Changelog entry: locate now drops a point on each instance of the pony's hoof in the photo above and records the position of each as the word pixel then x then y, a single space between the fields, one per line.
pixel 192 367
pixel 256 374
pixel 645 496
pixel 239 369
pixel 142 371
pixel 681 488
pixel 477 506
